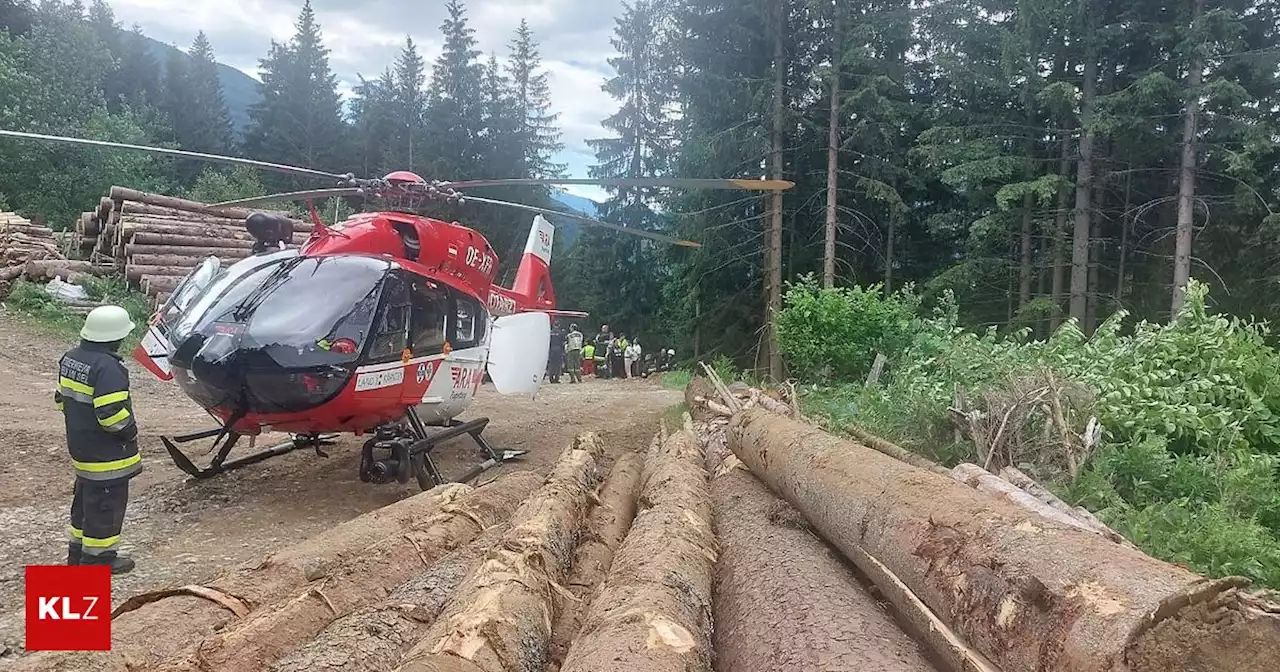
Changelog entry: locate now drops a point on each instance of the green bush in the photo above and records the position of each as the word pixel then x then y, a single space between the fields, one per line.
pixel 836 333
pixel 29 299
pixel 1189 461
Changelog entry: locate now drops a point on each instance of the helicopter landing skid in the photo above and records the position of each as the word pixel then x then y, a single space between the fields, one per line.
pixel 225 440
pixel 408 452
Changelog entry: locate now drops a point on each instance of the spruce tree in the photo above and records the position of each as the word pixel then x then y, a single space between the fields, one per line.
pixel 139 73
pixel 210 126
pixel 455 100
pixel 176 95
pixel 531 97
pixel 299 118
pixel 618 275
pixel 408 78
pixel 374 122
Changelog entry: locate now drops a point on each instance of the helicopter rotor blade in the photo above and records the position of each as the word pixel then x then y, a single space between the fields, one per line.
pixel 213 158
pixel 672 182
pixel 291 196
pixel 590 220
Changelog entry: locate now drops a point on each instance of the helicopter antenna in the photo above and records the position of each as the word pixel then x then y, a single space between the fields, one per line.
pixel 215 158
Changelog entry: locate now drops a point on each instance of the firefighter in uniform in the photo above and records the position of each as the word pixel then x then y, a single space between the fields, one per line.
pixel 102 437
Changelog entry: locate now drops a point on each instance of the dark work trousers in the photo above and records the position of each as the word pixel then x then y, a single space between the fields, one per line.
pixel 555 365
pixel 97 516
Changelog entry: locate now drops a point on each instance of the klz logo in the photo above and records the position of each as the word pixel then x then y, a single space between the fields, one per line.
pixel 68 608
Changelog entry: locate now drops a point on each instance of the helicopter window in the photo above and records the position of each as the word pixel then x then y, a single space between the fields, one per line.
pixel 391 333
pixel 311 311
pixel 470 322
pixel 430 308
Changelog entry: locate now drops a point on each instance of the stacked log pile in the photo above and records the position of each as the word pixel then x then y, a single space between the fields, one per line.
pixel 22 241
pixel 155 240
pixel 749 540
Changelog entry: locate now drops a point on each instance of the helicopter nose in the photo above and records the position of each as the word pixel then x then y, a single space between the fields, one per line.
pixel 236 377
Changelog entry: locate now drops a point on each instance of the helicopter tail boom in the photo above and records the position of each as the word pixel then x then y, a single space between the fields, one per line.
pixel 533 276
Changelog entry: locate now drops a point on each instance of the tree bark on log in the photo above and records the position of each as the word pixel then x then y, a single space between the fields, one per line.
pixel 130 225
pixel 139 208
pixel 500 618
pixel 893 450
pixel 258 641
pixel 653 612
pixel 986 482
pixel 186 261
pixel 1016 477
pixel 375 638
pixel 606 527
pixel 126 194
pixel 1028 593
pixel 772 571
pixel 188 241
pixel 51 268
pixel 188 251
pixel 152 284
pixel 134 272
pixel 186 619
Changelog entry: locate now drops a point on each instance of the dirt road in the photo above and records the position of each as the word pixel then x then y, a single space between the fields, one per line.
pixel 182 531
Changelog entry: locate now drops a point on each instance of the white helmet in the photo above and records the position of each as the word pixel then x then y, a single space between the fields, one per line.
pixel 106 324
pixel 671 351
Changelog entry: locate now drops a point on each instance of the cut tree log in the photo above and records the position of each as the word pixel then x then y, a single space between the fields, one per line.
pixel 52 268
pixel 159 212
pixel 653 612
pixel 186 261
pixel 376 637
pixel 154 284
pixel 188 251
pixel 772 571
pixel 1029 594
pixel 1016 477
pixel 125 194
pixel 606 527
pixel 135 272
pixel 130 226
pixel 500 618
pixel 269 633
pixel 187 616
pixel 984 481
pixel 188 241
pixel 893 450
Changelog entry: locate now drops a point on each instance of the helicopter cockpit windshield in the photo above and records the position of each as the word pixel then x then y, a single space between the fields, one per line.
pixel 282 334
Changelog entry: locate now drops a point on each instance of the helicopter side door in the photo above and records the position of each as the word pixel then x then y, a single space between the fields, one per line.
pixel 461 372
pixel 408 340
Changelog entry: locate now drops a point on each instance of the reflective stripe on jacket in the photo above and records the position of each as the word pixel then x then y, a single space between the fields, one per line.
pixel 93 394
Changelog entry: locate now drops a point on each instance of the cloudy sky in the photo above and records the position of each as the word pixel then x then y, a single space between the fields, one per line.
pixel 364 37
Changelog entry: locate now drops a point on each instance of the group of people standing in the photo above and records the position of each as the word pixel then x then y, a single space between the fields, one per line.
pixel 604 356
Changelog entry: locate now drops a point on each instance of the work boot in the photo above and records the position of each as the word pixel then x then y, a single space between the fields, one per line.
pixel 73 553
pixel 120 564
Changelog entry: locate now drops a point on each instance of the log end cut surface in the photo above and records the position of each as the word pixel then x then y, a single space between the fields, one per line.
pixel 785 601
pixel 1224 632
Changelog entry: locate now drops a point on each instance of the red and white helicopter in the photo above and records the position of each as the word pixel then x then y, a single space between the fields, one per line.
pixel 383 325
